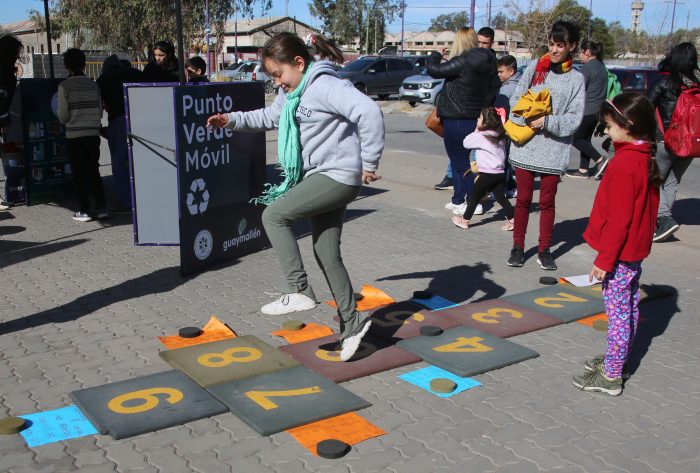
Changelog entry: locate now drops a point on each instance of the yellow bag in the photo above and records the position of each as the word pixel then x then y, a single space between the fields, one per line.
pixel 530 107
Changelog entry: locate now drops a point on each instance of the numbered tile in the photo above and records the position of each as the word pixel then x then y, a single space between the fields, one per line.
pixel 146 404
pixel 500 318
pixel 466 351
pixel 404 320
pixel 560 301
pixel 278 401
pixel 373 356
pixel 227 360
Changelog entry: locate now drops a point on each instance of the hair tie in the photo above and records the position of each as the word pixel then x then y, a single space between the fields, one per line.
pixel 310 40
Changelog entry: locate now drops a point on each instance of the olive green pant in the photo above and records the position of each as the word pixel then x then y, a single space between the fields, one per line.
pixel 323 201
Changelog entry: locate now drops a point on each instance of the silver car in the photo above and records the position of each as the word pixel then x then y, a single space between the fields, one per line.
pixel 253 71
pixel 421 88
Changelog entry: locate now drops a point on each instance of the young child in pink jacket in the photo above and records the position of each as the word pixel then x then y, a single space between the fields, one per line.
pixel 489 142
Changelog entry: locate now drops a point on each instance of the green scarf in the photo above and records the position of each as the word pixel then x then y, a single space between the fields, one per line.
pixel 288 147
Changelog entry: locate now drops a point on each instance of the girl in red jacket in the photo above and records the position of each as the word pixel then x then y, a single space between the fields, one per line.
pixel 620 228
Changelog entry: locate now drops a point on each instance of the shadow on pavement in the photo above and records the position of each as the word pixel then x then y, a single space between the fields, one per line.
pixel 161 281
pixel 458 283
pixel 14 252
pixel 569 233
pixel 686 211
pixel 657 315
pixel 11 230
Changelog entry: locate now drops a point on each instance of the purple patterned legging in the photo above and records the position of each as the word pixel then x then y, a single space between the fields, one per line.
pixel 621 296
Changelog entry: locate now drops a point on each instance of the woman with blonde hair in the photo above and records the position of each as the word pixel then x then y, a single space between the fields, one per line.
pixel 471 83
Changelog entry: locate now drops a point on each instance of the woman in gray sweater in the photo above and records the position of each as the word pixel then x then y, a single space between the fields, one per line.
pixel 547 153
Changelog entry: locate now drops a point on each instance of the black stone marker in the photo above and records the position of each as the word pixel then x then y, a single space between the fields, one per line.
pixel 358 297
pixel 422 294
pixel 549 280
pixel 190 332
pixel 430 331
pixel 332 448
pixel 442 385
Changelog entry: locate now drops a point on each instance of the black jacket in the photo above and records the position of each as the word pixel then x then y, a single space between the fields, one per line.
pixel 471 82
pixel 664 95
pixel 111 83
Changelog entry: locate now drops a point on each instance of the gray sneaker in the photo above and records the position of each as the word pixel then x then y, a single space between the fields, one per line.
pixel 665 227
pixel 593 363
pixel 596 381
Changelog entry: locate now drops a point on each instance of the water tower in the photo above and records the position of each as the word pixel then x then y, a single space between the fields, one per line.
pixel 637 8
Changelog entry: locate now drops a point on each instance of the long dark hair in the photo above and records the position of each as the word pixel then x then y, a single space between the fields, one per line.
pixel 10 49
pixel 682 60
pixel 284 47
pixel 635 113
pixel 491 121
pixel 170 63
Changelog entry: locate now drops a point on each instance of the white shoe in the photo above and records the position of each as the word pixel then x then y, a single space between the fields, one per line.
pixel 451 206
pixel 460 209
pixel 4 206
pixel 352 343
pixel 288 303
pixel 479 210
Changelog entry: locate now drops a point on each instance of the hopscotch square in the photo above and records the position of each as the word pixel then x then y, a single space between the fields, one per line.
pixel 559 301
pixel 404 320
pixel 422 378
pixel 373 356
pixel 500 318
pixel 466 351
pixel 146 404
pixel 227 360
pixel 282 400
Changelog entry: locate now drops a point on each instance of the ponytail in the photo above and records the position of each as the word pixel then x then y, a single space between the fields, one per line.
pixel 325 48
pixel 655 178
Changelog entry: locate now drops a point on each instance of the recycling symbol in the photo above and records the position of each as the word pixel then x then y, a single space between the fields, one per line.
pixel 197 205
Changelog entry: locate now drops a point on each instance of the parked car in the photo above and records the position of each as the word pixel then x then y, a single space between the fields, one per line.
pixel 227 73
pixel 635 79
pixel 421 88
pixel 378 75
pixel 249 71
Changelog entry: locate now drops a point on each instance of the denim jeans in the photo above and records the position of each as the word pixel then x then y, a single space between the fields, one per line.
pixel 455 132
pixel 671 168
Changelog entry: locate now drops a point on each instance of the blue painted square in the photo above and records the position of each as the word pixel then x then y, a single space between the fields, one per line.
pixel 435 303
pixel 56 425
pixel 423 376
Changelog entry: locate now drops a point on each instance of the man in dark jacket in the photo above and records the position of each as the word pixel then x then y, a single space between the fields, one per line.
pixel 111 82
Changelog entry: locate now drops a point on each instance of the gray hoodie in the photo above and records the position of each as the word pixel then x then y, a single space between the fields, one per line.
pixel 341 129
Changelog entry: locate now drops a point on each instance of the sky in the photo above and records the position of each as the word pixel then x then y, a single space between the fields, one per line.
pixel 656 16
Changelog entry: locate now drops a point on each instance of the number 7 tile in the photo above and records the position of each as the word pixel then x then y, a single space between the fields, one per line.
pixel 282 400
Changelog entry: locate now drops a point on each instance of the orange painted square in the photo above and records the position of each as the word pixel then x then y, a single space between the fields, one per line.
pixel 350 428
pixel 312 331
pixel 214 330
pixel 374 298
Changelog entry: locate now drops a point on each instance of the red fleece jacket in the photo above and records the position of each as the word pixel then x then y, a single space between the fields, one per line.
pixel 623 218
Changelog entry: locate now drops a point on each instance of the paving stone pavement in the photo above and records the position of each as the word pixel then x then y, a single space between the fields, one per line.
pixel 81 306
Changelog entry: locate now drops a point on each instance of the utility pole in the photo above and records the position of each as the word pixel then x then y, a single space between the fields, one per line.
pixel 286 7
pixel 472 10
pixel 48 37
pixel 505 33
pixel 590 15
pixel 375 32
pixel 235 36
pixel 367 33
pixel 489 16
pixel 673 18
pixel 207 35
pixel 687 20
pixel 403 15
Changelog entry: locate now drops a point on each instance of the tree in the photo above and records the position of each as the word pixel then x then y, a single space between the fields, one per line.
pixel 139 24
pixel 501 21
pixel 349 19
pixel 449 21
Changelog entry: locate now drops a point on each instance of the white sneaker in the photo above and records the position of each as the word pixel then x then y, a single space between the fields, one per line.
pixel 479 210
pixel 459 210
pixel 352 343
pixel 82 217
pixel 451 206
pixel 4 206
pixel 288 303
